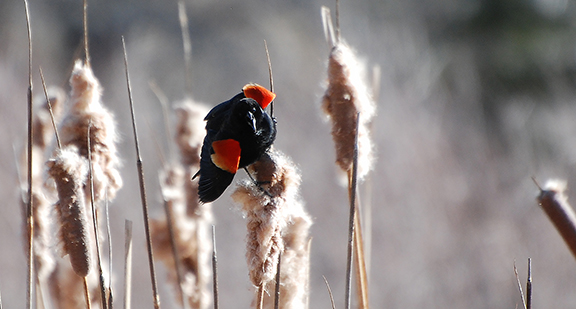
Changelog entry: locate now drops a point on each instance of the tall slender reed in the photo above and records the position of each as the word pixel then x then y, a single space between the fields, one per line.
pixel 29 203
pixel 139 166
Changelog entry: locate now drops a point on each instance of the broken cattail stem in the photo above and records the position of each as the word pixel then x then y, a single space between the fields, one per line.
pixel 127 264
pixel 555 205
pixel 142 187
pixel 29 203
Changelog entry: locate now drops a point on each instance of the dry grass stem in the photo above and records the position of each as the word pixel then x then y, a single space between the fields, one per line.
pixel 329 292
pixel 103 293
pixel 276 222
pixel 519 286
pixel 555 204
pixel 214 268
pixel 29 203
pixel 87 293
pixel 529 285
pixel 187 45
pixel 139 166
pixel 127 264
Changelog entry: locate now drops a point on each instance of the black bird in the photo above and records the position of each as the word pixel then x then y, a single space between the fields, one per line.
pixel 238 133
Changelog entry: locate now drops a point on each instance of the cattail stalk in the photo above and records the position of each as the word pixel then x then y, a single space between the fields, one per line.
pixel 214 268
pixel 29 214
pixel 139 166
pixel 127 264
pixel 555 204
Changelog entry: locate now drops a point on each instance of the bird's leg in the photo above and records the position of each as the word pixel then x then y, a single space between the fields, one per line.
pixel 258 183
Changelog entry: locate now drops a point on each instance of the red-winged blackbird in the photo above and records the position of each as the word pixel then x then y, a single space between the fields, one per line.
pixel 238 132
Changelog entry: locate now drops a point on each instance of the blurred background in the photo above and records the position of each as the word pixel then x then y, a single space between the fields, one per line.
pixel 476 97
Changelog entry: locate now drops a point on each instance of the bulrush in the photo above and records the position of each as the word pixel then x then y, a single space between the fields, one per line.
pixel 276 222
pixel 69 171
pixel 86 107
pixel 347 95
pixel 188 222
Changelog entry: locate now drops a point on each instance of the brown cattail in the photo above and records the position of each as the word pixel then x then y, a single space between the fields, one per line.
pixel 190 223
pixel 69 171
pixel 86 107
pixel 555 204
pixel 276 222
pixel 347 95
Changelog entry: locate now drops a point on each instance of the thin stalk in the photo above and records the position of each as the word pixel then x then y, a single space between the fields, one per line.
pixel 127 263
pixel 50 109
pixel 175 255
pixel 330 293
pixel 142 187
pixel 529 285
pixel 271 76
pixel 519 286
pixel 95 223
pixel 109 240
pixel 360 265
pixel 260 300
pixel 187 44
pixel 214 268
pixel 87 293
pixel 164 104
pixel 353 177
pixel 85 25
pixel 29 213
pixel 277 289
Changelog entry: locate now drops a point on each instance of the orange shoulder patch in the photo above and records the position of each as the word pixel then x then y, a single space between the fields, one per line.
pixel 226 155
pixel 260 94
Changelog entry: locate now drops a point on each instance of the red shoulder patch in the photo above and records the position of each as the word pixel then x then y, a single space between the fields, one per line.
pixel 226 155
pixel 262 95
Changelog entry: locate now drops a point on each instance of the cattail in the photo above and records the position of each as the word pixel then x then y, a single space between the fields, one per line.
pixel 69 171
pixel 347 95
pixel 190 221
pixel 190 131
pixel 276 222
pixel 86 107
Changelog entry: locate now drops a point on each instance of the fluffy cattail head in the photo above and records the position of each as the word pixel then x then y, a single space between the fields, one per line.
pixel 265 208
pixel 190 131
pixel 87 110
pixel 69 171
pixel 347 95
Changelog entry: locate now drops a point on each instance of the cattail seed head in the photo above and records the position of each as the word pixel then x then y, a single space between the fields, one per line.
pixel 69 170
pixel 87 109
pixel 347 95
pixel 271 215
